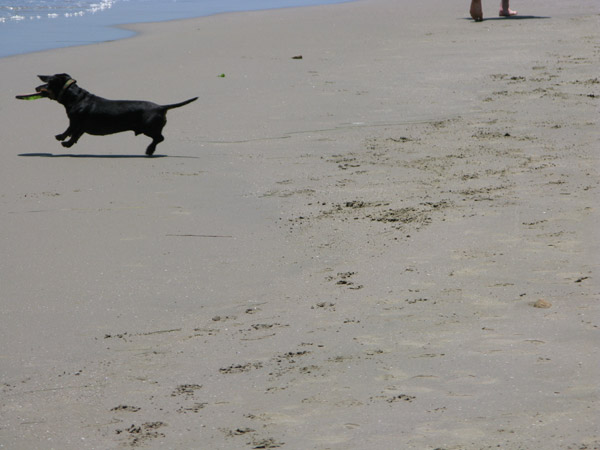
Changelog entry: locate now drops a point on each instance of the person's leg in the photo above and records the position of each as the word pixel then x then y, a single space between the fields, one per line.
pixel 505 11
pixel 476 10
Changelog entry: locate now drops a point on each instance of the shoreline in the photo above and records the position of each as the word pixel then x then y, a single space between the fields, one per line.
pixel 106 26
pixel 343 251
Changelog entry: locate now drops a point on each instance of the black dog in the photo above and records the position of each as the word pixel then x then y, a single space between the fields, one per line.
pixel 96 115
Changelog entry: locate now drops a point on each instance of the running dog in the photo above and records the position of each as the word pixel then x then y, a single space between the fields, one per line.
pixel 95 115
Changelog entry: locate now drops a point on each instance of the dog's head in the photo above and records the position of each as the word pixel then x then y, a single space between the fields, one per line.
pixel 55 85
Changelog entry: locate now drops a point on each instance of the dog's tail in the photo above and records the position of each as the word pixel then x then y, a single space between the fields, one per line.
pixel 177 105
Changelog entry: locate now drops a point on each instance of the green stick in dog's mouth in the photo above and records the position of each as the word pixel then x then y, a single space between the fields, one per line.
pixel 30 96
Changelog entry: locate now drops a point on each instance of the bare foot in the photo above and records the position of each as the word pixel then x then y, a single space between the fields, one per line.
pixel 476 10
pixel 507 12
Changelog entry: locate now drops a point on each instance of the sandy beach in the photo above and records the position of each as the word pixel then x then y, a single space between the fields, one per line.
pixel 388 243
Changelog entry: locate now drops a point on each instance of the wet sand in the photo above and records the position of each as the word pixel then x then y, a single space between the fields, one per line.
pixel 388 243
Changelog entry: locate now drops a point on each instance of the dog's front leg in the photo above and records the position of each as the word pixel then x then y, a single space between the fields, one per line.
pixel 63 136
pixel 75 135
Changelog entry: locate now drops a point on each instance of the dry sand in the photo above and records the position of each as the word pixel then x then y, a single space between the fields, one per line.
pixel 341 251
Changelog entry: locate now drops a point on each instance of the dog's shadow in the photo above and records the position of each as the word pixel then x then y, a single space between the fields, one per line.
pixel 80 155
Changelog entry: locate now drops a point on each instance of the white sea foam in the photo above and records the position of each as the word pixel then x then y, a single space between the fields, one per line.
pixel 104 4
pixel 51 9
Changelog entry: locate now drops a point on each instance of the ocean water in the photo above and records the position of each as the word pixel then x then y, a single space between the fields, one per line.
pixel 34 25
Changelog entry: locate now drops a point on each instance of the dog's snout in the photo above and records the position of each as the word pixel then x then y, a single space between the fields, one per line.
pixel 43 89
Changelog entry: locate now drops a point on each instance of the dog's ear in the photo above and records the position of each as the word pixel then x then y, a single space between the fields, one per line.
pixel 44 78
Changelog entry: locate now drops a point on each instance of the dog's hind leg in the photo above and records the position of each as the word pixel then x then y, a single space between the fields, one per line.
pixel 154 130
pixel 155 141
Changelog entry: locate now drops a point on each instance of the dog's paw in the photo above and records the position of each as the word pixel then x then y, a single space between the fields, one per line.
pixel 60 137
pixel 67 144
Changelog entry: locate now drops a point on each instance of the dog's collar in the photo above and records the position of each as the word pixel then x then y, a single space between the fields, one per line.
pixel 69 83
